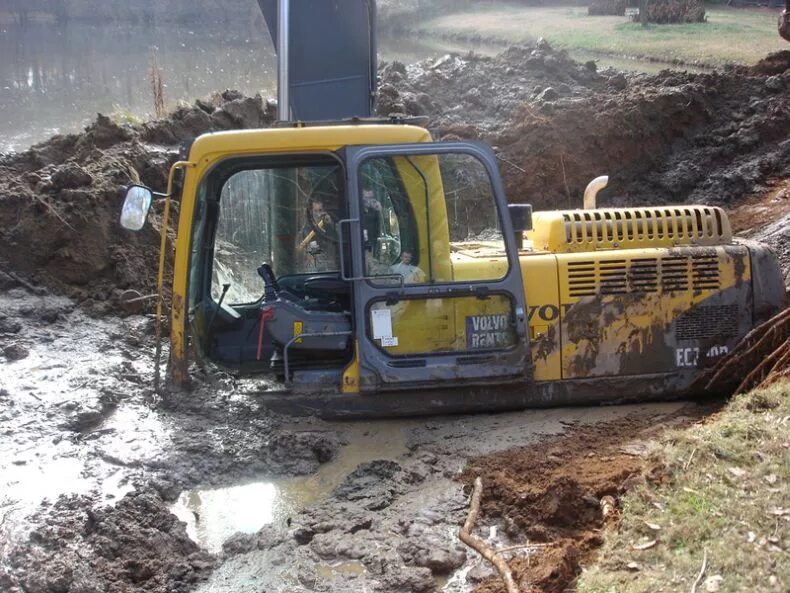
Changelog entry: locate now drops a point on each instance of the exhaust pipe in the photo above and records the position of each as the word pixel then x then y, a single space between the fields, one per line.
pixel 592 190
pixel 283 100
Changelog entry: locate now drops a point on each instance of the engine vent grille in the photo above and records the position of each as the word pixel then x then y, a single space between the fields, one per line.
pixel 719 321
pixel 643 275
pixel 615 227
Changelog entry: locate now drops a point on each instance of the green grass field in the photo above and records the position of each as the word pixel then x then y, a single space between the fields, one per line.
pixel 738 36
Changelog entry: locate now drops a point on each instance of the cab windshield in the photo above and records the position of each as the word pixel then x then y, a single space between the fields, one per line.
pixel 283 216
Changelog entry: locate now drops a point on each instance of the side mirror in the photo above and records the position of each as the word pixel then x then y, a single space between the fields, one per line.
pixel 135 207
pixel 521 216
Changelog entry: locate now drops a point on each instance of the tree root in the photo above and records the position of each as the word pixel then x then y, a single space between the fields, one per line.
pixel 759 360
pixel 480 546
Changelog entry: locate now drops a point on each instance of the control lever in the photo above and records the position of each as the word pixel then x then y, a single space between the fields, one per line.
pixel 270 286
pixel 225 288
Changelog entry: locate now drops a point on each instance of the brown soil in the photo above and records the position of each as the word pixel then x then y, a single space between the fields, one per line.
pixel 550 496
pixel 673 137
pixel 60 200
pixel 765 217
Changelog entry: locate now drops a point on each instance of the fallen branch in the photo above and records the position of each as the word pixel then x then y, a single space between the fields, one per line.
pixel 465 535
pixel 54 212
pixel 701 572
pixel 768 363
pixel 25 283
pixel 565 180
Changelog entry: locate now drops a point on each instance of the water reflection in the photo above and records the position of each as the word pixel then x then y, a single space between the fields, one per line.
pixel 55 78
pixel 214 514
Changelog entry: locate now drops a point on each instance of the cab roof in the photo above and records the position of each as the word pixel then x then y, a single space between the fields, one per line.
pixel 302 139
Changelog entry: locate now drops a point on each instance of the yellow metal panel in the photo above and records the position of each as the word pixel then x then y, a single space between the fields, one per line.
pixel 350 383
pixel 543 314
pixel 612 326
pixel 566 231
pixel 431 218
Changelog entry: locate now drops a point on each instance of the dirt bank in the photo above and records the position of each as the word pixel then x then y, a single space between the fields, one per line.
pixel 673 137
pixel 60 200
pixel 548 501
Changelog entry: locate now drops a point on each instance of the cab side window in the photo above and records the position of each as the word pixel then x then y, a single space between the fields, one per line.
pixel 389 233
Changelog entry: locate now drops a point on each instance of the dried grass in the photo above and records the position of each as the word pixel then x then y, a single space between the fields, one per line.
pixel 156 80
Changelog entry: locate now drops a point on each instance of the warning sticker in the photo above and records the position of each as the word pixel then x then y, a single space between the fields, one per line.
pixel 489 331
pixel 382 323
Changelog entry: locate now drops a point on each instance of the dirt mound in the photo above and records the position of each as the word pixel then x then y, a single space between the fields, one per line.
pixel 135 546
pixel 669 138
pixel 551 496
pixel 471 95
pixel 60 200
pixel 774 64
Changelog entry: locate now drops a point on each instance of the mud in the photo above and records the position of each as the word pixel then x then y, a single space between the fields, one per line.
pixel 82 429
pixel 59 200
pixel 391 524
pixel 136 545
pixel 107 485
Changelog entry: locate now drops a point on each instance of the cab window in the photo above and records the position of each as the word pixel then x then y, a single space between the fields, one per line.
pixel 429 219
pixel 285 216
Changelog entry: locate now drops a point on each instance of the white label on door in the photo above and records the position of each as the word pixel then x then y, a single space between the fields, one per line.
pixel 382 323
pixel 389 342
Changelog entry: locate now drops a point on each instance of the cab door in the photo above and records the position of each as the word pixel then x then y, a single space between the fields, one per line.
pixel 438 293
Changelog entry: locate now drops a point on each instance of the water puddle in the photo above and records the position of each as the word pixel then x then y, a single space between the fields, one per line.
pixel 343 570
pixel 212 515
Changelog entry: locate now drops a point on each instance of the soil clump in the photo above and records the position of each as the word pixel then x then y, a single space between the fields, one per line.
pixel 677 137
pixel 136 545
pixel 60 200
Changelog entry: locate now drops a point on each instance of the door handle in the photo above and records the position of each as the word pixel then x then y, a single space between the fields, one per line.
pixel 340 224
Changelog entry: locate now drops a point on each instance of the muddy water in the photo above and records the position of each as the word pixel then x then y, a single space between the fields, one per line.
pixel 349 553
pixel 78 417
pixel 212 515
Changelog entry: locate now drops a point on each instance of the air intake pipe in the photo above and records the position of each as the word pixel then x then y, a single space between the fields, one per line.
pixel 592 190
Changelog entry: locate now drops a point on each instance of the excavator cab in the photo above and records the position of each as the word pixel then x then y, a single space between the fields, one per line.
pixel 350 269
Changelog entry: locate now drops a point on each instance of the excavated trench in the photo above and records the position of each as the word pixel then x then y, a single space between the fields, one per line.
pixel 107 486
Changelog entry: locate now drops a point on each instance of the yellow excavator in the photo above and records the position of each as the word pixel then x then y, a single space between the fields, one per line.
pixel 358 267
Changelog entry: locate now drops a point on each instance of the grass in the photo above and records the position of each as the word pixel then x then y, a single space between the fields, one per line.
pixel 723 498
pixel 730 36
pixel 122 115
